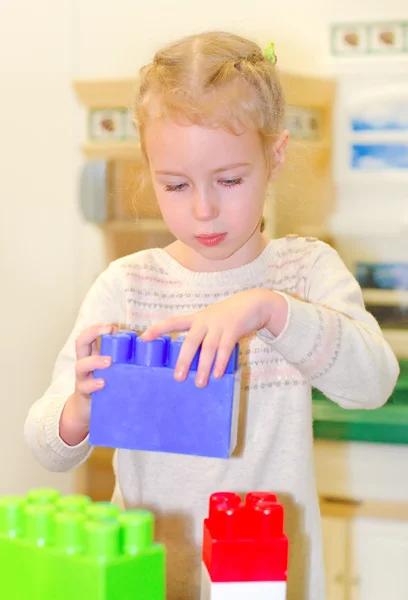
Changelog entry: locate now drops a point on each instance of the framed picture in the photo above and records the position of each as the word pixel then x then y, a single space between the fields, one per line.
pixel 379 156
pixel 384 276
pixel 387 38
pixel 381 114
pixel 357 39
pixel 349 39
pixel 107 124
pixel 303 123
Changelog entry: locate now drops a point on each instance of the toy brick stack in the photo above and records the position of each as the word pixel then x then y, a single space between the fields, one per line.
pixel 63 548
pixel 245 552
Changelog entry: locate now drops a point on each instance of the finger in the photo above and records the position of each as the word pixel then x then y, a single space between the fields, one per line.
pixel 207 355
pixel 85 340
pixel 168 326
pixel 188 351
pixel 89 386
pixel 85 367
pixel 225 349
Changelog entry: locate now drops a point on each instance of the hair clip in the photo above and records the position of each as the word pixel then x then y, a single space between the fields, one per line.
pixel 270 53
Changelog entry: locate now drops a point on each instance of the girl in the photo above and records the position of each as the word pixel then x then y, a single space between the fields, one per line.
pixel 209 110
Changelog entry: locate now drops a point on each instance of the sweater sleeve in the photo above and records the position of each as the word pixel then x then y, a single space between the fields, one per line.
pixel 333 341
pixel 41 429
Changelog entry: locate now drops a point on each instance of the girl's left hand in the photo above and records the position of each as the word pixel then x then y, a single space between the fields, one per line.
pixel 218 328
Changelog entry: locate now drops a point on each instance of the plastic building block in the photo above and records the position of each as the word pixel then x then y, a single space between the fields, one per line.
pixel 54 547
pixel 142 406
pixel 245 550
pixel 256 590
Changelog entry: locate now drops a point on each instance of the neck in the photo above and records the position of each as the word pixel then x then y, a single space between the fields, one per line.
pixel 194 261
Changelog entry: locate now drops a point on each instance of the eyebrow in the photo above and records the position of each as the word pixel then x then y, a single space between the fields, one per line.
pixel 219 170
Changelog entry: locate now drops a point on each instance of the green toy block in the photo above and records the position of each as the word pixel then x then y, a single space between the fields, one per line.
pixel 56 547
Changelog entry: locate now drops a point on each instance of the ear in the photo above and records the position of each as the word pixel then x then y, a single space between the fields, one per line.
pixel 279 153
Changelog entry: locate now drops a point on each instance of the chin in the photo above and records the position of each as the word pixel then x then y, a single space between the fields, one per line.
pixel 218 253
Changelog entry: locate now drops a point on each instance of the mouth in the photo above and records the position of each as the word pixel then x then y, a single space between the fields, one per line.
pixel 212 239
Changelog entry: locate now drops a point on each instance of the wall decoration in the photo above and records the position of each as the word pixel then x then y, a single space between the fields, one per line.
pixel 384 276
pixel 386 38
pixel 379 156
pixel 303 123
pixel 107 124
pixel 381 114
pixel 349 39
pixel 357 39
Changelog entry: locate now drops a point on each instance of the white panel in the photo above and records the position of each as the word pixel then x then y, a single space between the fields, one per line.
pixel 258 590
pixel 379 560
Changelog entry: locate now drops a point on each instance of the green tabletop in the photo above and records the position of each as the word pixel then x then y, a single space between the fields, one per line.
pixel 388 424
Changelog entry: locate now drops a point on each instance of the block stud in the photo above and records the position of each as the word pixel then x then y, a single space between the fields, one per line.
pixel 253 498
pixel 174 352
pixel 151 354
pixel 227 521
pixel 70 532
pixel 40 520
pixel 12 519
pixel 226 499
pixel 136 530
pixel 268 520
pixel 100 511
pixel 74 502
pixel 102 539
pixel 43 495
pixel 119 346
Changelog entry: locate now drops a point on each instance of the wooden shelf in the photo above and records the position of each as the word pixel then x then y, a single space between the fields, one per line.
pixel 313 92
pixel 106 93
pixel 113 150
pixel 350 508
pixel 385 297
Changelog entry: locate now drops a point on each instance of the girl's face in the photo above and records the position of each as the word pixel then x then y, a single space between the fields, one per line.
pixel 211 187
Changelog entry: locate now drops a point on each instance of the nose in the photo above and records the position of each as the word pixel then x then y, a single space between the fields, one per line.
pixel 205 208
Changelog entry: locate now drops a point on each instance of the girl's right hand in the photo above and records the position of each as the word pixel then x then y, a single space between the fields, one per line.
pixel 75 417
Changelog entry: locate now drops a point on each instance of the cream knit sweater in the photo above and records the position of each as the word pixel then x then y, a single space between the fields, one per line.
pixel 329 342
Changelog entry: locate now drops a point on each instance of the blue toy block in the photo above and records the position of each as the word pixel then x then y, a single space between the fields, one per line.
pixel 142 406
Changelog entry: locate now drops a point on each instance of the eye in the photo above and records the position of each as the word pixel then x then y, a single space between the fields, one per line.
pixel 175 188
pixel 231 182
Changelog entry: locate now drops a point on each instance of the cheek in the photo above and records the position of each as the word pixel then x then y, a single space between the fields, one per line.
pixel 172 210
pixel 247 206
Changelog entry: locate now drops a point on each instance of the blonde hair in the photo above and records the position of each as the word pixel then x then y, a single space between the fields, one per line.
pixel 213 79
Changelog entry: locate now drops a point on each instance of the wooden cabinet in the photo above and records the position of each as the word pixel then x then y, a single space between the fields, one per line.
pixel 364 507
pixel 335 557
pixel 378 559
pixel 365 558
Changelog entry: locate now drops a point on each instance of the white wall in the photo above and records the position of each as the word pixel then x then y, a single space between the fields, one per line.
pixel 38 219
pixel 47 257
pixel 117 37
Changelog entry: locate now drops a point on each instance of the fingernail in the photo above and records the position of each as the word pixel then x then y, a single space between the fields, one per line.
pixel 100 383
pixel 217 374
pixel 179 374
pixel 200 381
pixel 107 360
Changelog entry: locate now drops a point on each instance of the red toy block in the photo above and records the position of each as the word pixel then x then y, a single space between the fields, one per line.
pixel 245 541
